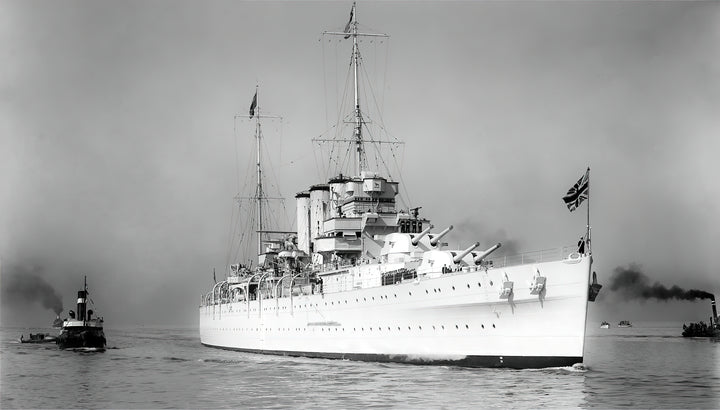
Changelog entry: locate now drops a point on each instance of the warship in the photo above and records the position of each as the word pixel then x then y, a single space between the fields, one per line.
pixel 362 278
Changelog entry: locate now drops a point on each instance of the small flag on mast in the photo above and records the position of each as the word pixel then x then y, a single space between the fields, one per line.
pixel 253 105
pixel 347 26
pixel 578 192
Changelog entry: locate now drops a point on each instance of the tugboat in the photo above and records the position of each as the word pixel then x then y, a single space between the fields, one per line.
pixel 604 325
pixel 702 329
pixel 82 331
pixel 624 323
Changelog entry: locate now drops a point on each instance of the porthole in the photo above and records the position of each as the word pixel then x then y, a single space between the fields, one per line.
pixel 409 328
pixel 493 325
pixel 410 293
pixel 453 288
pixel 426 291
pixel 468 285
pixel 482 326
pixel 490 283
pixel 420 327
pixel 467 327
pixel 457 327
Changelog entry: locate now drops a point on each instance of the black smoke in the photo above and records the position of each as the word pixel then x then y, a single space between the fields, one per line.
pixel 24 284
pixel 632 283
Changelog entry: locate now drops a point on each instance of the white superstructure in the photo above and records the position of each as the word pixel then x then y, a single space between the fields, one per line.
pixel 363 279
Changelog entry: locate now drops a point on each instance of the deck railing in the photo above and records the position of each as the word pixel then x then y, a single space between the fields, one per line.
pixel 545 255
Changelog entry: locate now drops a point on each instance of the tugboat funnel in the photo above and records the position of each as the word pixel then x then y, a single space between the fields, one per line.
pixel 714 309
pixel 487 253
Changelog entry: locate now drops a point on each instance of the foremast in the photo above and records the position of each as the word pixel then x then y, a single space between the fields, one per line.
pixel 352 31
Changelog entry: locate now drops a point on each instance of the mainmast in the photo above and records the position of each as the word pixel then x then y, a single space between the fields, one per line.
pixel 259 194
pixel 260 198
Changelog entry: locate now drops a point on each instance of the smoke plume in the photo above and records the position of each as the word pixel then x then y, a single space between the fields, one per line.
pixel 631 283
pixel 24 284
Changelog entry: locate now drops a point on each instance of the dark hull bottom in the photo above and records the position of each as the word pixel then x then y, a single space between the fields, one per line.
pixel 85 338
pixel 512 362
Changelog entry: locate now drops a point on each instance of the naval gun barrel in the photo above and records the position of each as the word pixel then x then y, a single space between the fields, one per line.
pixel 485 254
pixel 434 241
pixel 462 254
pixel 416 239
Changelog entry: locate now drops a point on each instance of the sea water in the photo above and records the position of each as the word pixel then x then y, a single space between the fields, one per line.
pixel 647 366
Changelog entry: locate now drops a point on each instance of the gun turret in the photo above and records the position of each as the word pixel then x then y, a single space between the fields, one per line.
pixel 434 241
pixel 462 254
pixel 416 239
pixel 485 254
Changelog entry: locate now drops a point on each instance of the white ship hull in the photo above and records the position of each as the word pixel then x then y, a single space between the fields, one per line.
pixel 456 318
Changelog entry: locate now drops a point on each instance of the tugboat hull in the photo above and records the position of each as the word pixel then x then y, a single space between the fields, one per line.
pixel 81 337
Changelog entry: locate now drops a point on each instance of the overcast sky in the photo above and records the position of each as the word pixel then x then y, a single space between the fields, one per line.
pixel 118 144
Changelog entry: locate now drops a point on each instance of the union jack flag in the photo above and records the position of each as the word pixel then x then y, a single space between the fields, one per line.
pixel 578 192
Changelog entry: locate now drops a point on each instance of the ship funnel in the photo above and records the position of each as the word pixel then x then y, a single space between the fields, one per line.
pixel 434 241
pixel 416 239
pixel 462 254
pixel 81 304
pixel 714 308
pixel 485 254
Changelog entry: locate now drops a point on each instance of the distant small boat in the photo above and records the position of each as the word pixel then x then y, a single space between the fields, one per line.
pixel 38 338
pixel 604 325
pixel 624 323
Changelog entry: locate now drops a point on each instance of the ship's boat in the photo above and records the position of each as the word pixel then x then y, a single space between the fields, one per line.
pixel 604 325
pixel 363 278
pixel 81 330
pixel 624 323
